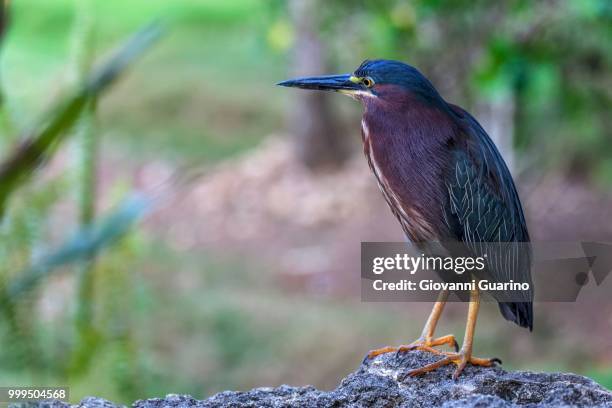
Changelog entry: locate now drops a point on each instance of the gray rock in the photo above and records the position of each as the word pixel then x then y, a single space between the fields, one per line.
pixel 381 383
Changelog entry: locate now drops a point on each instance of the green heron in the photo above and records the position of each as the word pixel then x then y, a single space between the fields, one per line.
pixel 444 180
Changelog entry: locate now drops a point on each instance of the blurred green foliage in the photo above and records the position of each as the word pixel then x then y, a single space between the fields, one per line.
pixel 34 348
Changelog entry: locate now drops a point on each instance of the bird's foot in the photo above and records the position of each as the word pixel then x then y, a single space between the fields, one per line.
pixel 428 344
pixel 423 344
pixel 460 359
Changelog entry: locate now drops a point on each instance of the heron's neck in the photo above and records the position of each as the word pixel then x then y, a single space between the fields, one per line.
pixel 410 120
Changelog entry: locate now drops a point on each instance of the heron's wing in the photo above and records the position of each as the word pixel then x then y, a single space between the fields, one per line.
pixel 484 207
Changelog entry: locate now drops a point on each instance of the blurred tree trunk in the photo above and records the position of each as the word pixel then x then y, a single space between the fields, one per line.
pixel 498 119
pixel 318 142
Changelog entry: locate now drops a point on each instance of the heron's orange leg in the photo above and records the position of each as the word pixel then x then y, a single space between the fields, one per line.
pixel 426 342
pixel 464 356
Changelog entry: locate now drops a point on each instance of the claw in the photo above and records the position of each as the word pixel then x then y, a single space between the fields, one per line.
pixel 459 369
pixel 460 359
pixel 403 349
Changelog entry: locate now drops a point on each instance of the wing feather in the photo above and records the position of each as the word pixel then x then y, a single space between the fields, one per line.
pixel 484 207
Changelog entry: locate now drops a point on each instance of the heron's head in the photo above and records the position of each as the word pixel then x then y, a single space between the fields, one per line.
pixel 384 80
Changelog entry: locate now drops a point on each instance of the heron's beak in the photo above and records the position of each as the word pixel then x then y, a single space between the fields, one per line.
pixel 345 83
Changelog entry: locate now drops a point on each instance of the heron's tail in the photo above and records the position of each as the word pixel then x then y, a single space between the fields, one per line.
pixel 520 313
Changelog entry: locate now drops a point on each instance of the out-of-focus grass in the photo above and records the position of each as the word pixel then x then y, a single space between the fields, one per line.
pixel 206 91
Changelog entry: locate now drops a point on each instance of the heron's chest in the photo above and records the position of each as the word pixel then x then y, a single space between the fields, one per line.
pixel 399 188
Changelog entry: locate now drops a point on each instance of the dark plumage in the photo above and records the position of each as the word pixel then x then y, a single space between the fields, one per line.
pixel 439 171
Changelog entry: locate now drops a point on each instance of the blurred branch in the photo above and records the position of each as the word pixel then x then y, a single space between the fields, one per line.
pixel 90 240
pixel 86 243
pixel 38 147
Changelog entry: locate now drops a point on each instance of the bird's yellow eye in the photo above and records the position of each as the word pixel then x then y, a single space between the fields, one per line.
pixel 368 82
